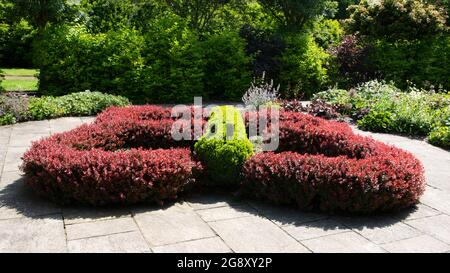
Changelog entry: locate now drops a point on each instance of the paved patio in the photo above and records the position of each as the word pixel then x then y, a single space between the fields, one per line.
pixel 213 222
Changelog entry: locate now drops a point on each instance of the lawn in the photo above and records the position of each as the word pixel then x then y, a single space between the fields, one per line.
pixel 20 84
pixel 20 79
pixel 21 72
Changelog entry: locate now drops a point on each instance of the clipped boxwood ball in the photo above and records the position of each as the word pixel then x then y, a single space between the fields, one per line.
pixel 224 147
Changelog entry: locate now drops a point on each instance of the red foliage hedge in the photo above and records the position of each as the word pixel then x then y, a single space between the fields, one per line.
pixel 319 164
pixel 322 164
pixel 107 162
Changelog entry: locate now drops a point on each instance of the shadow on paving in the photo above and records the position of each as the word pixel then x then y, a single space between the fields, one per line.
pixel 17 200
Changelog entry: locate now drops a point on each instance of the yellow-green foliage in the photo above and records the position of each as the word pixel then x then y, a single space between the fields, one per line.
pixel 225 146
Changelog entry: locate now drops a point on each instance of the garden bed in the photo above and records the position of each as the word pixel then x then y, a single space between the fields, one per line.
pixel 129 156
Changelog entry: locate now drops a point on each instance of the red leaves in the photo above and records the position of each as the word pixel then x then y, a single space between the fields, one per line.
pixel 105 162
pixel 328 167
pixel 321 164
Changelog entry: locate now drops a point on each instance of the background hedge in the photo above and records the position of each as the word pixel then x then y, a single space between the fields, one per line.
pixel 169 51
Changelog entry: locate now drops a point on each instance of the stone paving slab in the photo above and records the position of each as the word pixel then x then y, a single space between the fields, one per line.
pixel 207 245
pixel 78 215
pixel 348 242
pixel 16 200
pixel 212 222
pixel 224 213
pixel 210 200
pixel 128 242
pixel 171 225
pixel 100 228
pixel 418 212
pixel 25 140
pixel 282 216
pixel 315 229
pixel 256 234
pixel 421 244
pixel 437 199
pixel 380 230
pixel 436 226
pixel 13 159
pixel 43 234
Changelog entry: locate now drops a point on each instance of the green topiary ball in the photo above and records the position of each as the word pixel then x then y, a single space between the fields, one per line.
pixel 225 147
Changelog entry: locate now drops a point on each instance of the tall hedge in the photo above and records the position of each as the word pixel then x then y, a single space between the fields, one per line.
pixel 168 63
pixel 72 60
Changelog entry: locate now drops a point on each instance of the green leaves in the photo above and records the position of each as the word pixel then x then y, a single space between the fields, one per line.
pixel 382 107
pixel 225 147
pixel 397 19
pixel 77 104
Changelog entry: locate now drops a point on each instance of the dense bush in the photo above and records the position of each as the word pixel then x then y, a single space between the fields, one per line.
pixel 317 108
pixel 382 107
pixel 16 38
pixel 16 41
pixel 382 183
pixel 140 126
pixel 22 108
pixel 397 19
pixel 354 63
pixel 322 164
pixel 13 108
pixel 106 162
pixel 409 41
pixel 174 63
pixel 294 14
pixel 75 104
pixel 167 64
pixel 423 62
pixel 266 49
pixel 327 32
pixel 225 147
pixel 71 60
pixel 305 68
pixel 227 71
pixel 106 15
pixel 98 177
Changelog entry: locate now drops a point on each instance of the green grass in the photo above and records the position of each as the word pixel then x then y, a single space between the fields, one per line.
pixel 19 72
pixel 20 85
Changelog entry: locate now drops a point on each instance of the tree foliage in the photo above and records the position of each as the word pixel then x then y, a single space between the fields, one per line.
pixel 397 19
pixel 294 14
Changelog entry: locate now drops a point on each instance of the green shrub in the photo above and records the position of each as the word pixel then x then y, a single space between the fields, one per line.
pixel 327 32
pixel 174 63
pixel 16 42
pixel 381 107
pixel 225 146
pixel 377 121
pixel 107 15
pixel 305 68
pixel 13 108
pixel 440 136
pixel 71 60
pixel 89 103
pixel 227 72
pixel 76 104
pixel 7 119
pixel 397 19
pixel 424 63
pixel 45 108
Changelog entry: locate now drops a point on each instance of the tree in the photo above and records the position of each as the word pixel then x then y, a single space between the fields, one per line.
pixel 397 19
pixel 41 12
pixel 200 13
pixel 294 14
pixel 105 15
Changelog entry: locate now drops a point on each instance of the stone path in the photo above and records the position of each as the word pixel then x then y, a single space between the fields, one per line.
pixel 212 223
